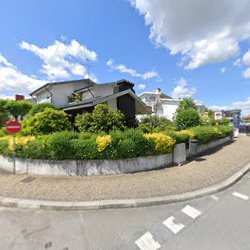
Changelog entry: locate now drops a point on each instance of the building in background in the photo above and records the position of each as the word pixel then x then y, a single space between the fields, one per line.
pixel 163 105
pixel 80 96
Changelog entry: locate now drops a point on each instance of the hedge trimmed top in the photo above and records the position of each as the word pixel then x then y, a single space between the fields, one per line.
pixel 115 145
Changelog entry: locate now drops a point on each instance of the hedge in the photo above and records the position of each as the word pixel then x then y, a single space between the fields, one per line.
pixel 116 145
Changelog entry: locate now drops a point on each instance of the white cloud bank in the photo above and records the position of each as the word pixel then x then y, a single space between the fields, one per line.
pixel 244 105
pixel 13 81
pixel 124 69
pixel 182 90
pixel 61 60
pixel 202 31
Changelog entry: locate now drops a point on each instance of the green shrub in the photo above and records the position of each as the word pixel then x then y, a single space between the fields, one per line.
pixel 102 118
pixel 60 145
pixel 2 132
pixel 46 122
pixel 205 134
pixel 224 121
pixel 187 118
pixel 83 149
pixel 154 123
pixel 4 148
pixel 224 131
pixel 41 107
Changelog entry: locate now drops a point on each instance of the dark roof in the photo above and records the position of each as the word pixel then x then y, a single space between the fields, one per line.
pixel 162 95
pixel 60 83
pixel 89 80
pixel 96 100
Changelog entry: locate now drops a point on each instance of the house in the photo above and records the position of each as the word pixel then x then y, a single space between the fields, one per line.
pixel 233 115
pixel 164 105
pixel 80 96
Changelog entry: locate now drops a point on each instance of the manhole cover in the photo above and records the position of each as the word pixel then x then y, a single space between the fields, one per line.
pixel 28 179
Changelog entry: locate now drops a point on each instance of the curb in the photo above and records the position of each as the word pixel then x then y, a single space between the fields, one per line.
pixel 124 203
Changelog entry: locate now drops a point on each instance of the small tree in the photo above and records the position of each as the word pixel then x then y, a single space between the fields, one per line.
pixel 186 103
pixel 187 118
pixel 18 108
pixel 46 122
pixel 41 107
pixel 3 112
pixel 151 122
pixel 102 118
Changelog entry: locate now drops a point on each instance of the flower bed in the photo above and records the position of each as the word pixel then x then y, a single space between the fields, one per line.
pixel 131 143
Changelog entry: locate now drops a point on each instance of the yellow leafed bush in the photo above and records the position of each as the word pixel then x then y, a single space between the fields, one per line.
pixel 163 143
pixel 102 142
pixel 18 140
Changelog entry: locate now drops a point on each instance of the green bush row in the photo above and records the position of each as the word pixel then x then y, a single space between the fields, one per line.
pixel 206 134
pixel 117 145
pixel 69 145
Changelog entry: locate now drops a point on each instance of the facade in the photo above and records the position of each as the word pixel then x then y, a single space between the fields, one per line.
pixel 234 116
pixel 81 96
pixel 163 105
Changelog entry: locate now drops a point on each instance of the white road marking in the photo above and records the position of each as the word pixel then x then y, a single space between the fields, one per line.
pixel 214 197
pixel 241 196
pixel 147 242
pixel 191 212
pixel 174 227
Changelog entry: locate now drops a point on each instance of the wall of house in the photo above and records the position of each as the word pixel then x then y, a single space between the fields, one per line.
pixel 87 95
pixel 169 109
pixel 113 104
pixel 126 104
pixel 62 91
pixel 103 90
pixel 43 97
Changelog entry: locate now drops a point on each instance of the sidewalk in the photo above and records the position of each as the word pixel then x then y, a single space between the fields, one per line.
pixel 203 172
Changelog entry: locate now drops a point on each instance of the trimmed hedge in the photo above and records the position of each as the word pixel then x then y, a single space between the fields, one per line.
pixel 117 145
pixel 206 134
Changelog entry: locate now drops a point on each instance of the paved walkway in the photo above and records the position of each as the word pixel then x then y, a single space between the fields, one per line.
pixel 205 171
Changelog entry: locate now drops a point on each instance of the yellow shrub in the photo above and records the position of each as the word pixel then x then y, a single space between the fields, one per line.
pixel 102 142
pixel 190 133
pixel 18 140
pixel 163 143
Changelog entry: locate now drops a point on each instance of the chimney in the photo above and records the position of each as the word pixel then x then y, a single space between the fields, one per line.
pixel 157 91
pixel 19 97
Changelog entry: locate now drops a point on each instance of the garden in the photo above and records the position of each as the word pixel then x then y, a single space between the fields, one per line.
pixel 48 134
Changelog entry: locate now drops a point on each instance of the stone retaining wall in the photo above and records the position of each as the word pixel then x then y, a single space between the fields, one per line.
pixel 101 167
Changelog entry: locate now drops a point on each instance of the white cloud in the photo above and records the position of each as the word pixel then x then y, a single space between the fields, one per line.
pixel 202 31
pixel 237 62
pixel 13 81
pixel 244 105
pixel 223 70
pixel 124 69
pixel 182 90
pixel 244 61
pixel 141 86
pixel 61 60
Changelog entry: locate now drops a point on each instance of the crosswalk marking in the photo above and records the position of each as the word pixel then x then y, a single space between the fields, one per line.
pixel 174 227
pixel 147 242
pixel 214 197
pixel 241 196
pixel 191 212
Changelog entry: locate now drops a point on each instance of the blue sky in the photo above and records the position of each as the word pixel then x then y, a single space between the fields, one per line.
pixel 188 50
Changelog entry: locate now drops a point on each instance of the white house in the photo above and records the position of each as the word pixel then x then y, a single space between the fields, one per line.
pixel 81 96
pixel 162 104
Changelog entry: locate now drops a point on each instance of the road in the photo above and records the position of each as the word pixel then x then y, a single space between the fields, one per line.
pixel 220 221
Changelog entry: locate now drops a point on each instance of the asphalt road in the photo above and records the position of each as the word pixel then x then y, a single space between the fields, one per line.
pixel 221 221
